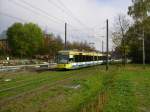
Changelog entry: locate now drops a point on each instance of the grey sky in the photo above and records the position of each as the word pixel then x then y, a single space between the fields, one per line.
pixel 85 18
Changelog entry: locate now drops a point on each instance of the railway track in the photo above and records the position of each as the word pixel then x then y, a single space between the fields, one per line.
pixel 4 102
pixel 44 83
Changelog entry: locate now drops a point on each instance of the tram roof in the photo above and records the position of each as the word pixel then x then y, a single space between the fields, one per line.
pixel 72 52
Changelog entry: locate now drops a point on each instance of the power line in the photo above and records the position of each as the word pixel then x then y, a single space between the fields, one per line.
pixel 81 32
pixel 42 11
pixel 60 8
pixel 98 25
pixel 14 17
pixel 36 8
pixel 27 8
pixel 23 20
pixel 73 14
pixel 33 11
pixel 68 12
pixel 56 5
pixel 39 10
pixel 20 5
pixel 84 31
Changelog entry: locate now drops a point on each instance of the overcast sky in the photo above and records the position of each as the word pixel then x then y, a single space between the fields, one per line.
pixel 86 19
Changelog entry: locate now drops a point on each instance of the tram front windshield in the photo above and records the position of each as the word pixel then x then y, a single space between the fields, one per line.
pixel 63 59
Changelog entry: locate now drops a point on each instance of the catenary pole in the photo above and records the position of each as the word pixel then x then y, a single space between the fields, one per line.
pixel 107 44
pixel 65 36
pixel 143 41
pixel 102 46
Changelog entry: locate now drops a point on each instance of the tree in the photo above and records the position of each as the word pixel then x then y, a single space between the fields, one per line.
pixel 134 41
pixel 121 26
pixel 82 46
pixel 139 9
pixel 24 39
pixel 55 45
pixel 51 45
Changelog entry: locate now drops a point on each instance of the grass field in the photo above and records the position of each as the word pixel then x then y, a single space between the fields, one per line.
pixel 85 90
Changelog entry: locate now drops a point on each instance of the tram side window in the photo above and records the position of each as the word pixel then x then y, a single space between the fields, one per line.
pixel 102 57
pixel 91 58
pixel 77 58
pixel 99 58
pixel 95 58
pixel 85 58
pixel 71 59
pixel 80 58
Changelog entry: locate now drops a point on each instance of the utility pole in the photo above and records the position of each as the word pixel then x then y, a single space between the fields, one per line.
pixel 102 46
pixel 143 39
pixel 107 44
pixel 143 52
pixel 124 50
pixel 65 36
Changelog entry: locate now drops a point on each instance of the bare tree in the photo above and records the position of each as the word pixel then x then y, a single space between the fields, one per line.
pixel 121 26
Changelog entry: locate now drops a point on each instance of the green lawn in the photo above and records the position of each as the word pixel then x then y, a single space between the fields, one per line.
pixel 125 90
pixel 85 90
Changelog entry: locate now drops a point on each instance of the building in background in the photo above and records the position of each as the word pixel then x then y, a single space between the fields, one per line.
pixel 4 47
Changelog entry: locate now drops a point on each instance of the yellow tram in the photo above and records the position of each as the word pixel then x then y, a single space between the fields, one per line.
pixel 69 59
